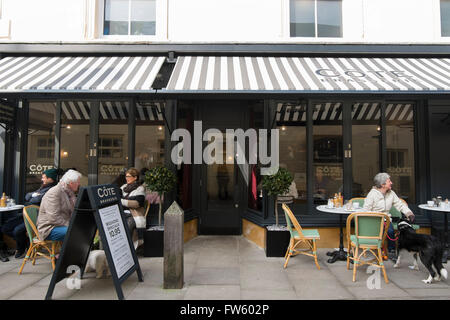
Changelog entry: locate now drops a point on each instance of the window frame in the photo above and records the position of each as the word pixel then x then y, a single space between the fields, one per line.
pixel 160 24
pixel 439 21
pixel 315 37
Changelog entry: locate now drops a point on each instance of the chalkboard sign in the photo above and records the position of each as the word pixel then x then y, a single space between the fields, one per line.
pixel 98 207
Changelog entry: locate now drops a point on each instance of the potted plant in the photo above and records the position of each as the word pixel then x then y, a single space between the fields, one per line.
pixel 161 180
pixel 277 237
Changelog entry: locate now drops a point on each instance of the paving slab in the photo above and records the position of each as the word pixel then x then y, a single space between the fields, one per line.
pixel 213 292
pixel 219 276
pixel 12 283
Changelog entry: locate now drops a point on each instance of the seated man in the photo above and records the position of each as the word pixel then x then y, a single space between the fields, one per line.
pixel 381 199
pixel 57 206
pixel 15 226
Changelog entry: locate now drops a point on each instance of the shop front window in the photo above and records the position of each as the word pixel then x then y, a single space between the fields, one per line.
pixel 291 123
pixel 445 18
pixel 400 149
pixel 74 146
pixel 316 18
pixel 327 151
pixel 41 142
pixel 366 137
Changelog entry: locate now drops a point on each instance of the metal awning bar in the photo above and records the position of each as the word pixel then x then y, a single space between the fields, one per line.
pixel 212 74
pixel 78 74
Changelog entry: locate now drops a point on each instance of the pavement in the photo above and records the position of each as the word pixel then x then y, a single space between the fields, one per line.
pixel 232 268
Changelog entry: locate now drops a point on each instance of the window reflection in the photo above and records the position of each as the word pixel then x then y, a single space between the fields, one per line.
pixel 255 193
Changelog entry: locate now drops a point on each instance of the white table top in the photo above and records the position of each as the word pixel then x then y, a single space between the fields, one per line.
pixel 441 208
pixel 324 208
pixel 12 208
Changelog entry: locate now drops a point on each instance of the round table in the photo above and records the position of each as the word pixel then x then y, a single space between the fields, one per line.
pixel 4 255
pixel 446 209
pixel 339 254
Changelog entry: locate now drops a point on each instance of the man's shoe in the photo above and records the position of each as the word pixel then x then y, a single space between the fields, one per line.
pixel 3 256
pixel 20 254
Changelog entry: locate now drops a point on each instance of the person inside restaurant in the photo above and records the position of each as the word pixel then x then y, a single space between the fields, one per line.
pixel 381 199
pixel 57 207
pixel 15 226
pixel 133 202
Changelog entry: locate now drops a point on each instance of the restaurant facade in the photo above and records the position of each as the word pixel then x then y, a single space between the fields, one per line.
pixel 344 111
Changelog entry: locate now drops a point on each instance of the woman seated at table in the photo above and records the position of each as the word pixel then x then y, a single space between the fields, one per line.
pixel 381 199
pixel 133 200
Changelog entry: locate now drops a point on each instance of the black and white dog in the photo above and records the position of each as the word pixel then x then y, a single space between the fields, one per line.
pixel 428 247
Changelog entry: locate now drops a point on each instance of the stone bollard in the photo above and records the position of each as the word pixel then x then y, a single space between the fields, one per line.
pixel 173 247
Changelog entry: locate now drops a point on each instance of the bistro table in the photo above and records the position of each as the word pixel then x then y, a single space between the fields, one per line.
pixel 339 254
pixel 445 209
pixel 3 254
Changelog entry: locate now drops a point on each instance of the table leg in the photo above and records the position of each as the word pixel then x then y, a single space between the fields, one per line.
pixel 340 255
pixel 445 254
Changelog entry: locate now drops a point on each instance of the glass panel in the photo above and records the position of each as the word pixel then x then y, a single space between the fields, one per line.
pixel 113 157
pixel 400 149
pixel 184 171
pixel 366 137
pixel 143 17
pixel 291 122
pixel 328 155
pixel 255 194
pixel 445 18
pixel 302 18
pixel 116 17
pixel 75 137
pixel 329 18
pixel 41 142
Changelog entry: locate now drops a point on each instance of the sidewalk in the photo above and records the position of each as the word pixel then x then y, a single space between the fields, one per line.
pixel 230 268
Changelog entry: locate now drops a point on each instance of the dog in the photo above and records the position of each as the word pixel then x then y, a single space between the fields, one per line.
pixel 97 262
pixel 428 247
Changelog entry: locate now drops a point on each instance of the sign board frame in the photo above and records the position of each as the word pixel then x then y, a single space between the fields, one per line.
pixel 84 222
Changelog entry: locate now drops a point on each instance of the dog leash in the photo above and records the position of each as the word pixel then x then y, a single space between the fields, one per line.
pixel 388 235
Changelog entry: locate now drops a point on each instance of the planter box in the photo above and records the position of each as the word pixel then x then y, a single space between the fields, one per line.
pixel 277 242
pixel 154 243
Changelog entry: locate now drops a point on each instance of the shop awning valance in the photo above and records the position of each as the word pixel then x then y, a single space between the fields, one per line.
pixel 78 74
pixel 315 75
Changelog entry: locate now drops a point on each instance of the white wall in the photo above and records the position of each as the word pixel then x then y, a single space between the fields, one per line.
pixel 225 21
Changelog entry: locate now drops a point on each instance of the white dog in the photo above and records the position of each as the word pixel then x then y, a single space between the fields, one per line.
pixel 97 262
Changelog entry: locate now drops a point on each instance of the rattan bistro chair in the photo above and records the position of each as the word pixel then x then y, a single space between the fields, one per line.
pixel 370 233
pixel 358 200
pixel 300 236
pixel 38 247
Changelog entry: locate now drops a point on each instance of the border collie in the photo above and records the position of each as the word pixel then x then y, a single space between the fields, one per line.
pixel 428 247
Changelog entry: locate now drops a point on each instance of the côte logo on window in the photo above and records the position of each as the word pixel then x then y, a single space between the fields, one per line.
pixel 37 169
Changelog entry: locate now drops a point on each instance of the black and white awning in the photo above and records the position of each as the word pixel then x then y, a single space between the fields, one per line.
pixel 315 75
pixel 78 74
pixel 292 114
pixel 112 110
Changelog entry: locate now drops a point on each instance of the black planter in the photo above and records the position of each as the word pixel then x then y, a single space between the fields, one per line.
pixel 154 243
pixel 277 242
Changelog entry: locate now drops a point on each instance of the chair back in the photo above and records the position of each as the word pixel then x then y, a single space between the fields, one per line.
pixel 371 225
pixel 358 200
pixel 291 221
pixel 147 207
pixel 394 212
pixel 30 215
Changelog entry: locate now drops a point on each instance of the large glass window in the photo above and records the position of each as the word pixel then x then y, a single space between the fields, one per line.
pixel 366 137
pixel 316 18
pixel 327 151
pixel 74 149
pixel 291 122
pixel 130 17
pixel 41 142
pixel 112 149
pixel 400 149
pixel 445 18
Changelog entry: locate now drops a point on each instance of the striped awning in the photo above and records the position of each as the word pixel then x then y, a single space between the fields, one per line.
pixel 315 75
pixel 112 110
pixel 365 112
pixel 78 74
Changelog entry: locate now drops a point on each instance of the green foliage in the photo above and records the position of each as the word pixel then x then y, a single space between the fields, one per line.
pixel 278 183
pixel 160 179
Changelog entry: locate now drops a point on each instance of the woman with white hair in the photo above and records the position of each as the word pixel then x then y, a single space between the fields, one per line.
pixel 382 198
pixel 57 206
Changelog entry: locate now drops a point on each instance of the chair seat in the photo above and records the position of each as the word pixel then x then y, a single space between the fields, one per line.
pixel 367 242
pixel 308 233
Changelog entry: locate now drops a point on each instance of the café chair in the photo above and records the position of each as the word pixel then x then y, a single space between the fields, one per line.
pixel 38 247
pixel 359 200
pixel 300 236
pixel 147 208
pixel 369 236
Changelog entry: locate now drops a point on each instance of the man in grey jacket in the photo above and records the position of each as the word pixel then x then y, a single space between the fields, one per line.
pixel 57 206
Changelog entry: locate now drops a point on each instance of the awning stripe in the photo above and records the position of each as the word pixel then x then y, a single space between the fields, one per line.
pixel 87 74
pixel 314 74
